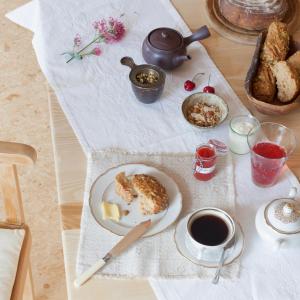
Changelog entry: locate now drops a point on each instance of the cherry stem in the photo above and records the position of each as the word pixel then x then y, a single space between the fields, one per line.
pixel 197 75
pixel 208 80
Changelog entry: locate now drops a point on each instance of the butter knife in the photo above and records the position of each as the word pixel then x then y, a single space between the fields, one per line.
pixel 133 235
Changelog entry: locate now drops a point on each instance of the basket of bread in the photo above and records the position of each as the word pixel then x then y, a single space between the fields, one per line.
pixel 273 79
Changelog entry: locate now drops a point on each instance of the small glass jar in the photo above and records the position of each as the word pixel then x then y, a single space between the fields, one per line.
pixel 239 128
pixel 205 162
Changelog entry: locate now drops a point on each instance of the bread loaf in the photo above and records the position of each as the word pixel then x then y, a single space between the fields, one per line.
pixel 287 80
pixel 264 84
pixel 294 61
pixel 276 45
pixel 253 14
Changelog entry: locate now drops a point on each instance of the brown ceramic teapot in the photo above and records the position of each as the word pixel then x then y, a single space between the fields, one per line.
pixel 166 47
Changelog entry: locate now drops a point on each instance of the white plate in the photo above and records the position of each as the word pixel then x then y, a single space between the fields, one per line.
pixel 103 189
pixel 231 254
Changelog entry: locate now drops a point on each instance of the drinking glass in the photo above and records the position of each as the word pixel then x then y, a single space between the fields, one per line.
pixel 238 130
pixel 271 144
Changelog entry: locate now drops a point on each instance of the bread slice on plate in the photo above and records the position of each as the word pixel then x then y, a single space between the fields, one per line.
pixel 264 84
pixel 294 61
pixel 287 80
pixel 276 45
pixel 124 188
pixel 152 195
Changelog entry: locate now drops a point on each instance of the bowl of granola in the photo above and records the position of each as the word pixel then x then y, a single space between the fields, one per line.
pixel 204 110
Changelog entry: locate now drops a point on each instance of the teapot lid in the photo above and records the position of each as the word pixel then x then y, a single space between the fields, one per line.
pixel 283 216
pixel 165 39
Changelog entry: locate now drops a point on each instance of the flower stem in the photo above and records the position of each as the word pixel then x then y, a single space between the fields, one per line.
pixel 93 41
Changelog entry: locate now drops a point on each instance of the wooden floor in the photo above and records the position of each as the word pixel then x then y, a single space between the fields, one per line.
pixel 24 118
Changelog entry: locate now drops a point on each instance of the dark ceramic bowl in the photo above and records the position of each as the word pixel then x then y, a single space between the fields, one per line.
pixel 146 92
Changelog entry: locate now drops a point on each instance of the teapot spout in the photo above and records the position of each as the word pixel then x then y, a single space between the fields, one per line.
pixel 181 58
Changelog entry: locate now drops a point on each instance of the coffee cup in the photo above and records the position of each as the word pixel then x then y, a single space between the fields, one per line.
pixel 209 230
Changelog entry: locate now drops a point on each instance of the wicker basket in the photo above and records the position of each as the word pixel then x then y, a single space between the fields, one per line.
pixel 277 107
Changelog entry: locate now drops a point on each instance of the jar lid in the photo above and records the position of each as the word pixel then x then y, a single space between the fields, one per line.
pixel 220 147
pixel 283 216
pixel 165 38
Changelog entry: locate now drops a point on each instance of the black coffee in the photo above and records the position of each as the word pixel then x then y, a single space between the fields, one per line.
pixel 209 230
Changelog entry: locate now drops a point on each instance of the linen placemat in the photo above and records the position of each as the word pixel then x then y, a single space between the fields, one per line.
pixel 155 256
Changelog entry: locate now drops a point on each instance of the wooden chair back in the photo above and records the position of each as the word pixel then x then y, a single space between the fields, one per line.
pixel 11 155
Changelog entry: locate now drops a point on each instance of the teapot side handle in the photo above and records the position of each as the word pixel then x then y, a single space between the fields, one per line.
pixel 201 34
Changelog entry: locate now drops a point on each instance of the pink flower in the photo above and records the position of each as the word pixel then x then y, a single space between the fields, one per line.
pixel 117 29
pixel 100 26
pixel 96 51
pixel 111 31
pixel 107 31
pixel 77 40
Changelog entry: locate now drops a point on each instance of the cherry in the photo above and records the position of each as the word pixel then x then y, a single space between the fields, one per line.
pixel 208 88
pixel 189 85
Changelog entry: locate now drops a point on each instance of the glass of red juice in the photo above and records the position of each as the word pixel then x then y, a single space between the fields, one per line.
pixel 205 162
pixel 271 144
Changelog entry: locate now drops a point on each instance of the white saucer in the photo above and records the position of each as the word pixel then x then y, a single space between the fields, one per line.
pixel 231 254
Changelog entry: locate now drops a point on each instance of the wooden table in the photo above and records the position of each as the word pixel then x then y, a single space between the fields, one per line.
pixel 233 61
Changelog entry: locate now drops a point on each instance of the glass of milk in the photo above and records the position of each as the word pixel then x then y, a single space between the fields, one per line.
pixel 239 128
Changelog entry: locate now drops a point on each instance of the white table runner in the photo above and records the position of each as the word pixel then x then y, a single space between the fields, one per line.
pixel 265 274
pixel 96 90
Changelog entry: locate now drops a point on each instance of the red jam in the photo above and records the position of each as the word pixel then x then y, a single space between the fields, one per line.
pixel 205 162
pixel 266 166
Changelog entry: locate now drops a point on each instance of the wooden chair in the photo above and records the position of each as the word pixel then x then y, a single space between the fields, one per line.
pixel 11 155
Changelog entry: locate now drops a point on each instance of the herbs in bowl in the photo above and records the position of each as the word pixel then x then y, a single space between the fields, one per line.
pixel 204 110
pixel 147 77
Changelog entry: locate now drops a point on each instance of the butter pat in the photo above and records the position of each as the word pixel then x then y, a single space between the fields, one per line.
pixel 110 211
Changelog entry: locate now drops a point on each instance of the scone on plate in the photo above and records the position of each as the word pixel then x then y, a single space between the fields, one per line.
pixel 264 84
pixel 287 80
pixel 124 188
pixel 152 195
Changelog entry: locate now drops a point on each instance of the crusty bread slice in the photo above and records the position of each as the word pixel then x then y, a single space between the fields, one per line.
pixel 276 45
pixel 294 61
pixel 124 188
pixel 152 195
pixel 264 84
pixel 287 80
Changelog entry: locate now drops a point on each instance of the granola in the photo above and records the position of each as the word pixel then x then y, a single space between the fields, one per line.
pixel 204 115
